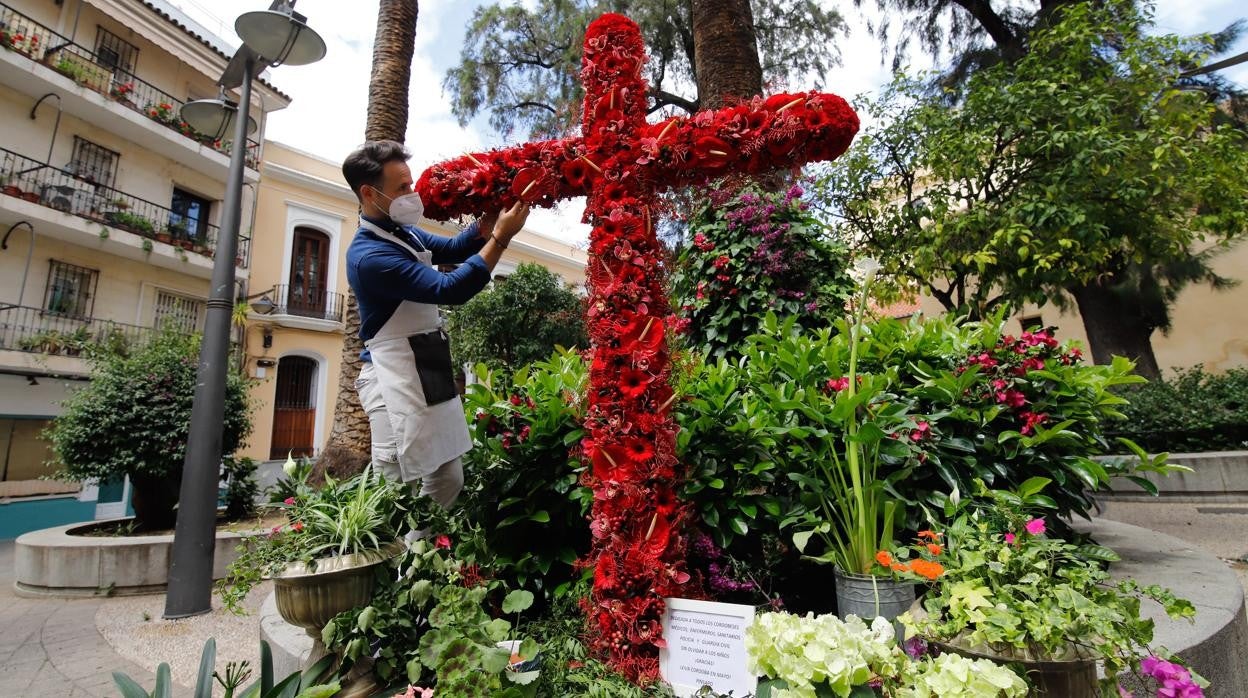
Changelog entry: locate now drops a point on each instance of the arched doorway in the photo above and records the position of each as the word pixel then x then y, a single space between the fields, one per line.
pixel 294 408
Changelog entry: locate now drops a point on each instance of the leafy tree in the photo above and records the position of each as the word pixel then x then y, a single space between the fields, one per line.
pixel 133 418
pixel 1079 173
pixel 521 65
pixel 755 253
pixel 518 321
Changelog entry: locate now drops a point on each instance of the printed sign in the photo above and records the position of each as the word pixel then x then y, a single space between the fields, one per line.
pixel 706 647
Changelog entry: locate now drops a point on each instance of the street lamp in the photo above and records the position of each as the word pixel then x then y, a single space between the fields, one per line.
pixel 270 38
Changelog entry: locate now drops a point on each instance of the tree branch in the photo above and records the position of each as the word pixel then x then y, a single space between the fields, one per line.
pixel 662 98
pixel 1001 34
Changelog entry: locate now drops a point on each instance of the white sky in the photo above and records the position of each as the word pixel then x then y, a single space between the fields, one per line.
pixel 326 116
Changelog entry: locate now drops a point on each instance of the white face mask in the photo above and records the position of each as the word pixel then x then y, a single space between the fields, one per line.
pixel 406 209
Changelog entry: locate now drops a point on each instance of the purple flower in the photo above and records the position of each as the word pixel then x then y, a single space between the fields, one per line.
pixel 916 648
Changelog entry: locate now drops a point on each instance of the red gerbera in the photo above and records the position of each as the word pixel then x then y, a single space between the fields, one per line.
pixel 633 382
pixel 640 450
pixel 578 173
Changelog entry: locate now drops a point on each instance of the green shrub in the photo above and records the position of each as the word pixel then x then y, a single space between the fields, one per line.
pixel 522 476
pixel 1192 411
pixel 133 418
pixel 518 321
pixel 753 253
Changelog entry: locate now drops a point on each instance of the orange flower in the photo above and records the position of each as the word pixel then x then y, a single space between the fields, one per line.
pixel 884 558
pixel 927 569
pixel 935 548
pixel 898 567
pixel 929 535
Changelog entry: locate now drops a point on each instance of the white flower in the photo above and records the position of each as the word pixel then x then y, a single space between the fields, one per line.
pixel 865 269
pixel 289 466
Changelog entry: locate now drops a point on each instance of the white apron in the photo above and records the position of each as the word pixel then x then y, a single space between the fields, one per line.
pixel 420 394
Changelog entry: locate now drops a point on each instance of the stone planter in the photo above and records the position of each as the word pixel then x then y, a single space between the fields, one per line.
pixel 870 597
pixel 311 597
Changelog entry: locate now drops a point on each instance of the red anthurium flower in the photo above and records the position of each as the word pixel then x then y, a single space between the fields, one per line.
pixel 712 152
pixel 608 460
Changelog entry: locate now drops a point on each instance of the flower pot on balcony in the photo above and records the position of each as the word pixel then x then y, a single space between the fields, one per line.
pixel 31 196
pixel 12 190
pixel 165 238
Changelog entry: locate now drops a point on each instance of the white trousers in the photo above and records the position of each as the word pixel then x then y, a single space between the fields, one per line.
pixel 443 485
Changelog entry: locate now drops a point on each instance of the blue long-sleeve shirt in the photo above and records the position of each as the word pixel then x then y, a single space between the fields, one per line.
pixel 383 274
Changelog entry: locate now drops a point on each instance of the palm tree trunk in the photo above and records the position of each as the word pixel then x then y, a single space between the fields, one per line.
pixel 726 64
pixel 349 446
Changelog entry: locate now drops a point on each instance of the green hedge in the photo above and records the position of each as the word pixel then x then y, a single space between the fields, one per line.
pixel 1189 412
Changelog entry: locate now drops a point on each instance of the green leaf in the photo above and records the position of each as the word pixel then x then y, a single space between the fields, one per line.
pixel 128 687
pixel 288 688
pixel 207 664
pixel 801 539
pixel 517 601
pixel 541 517
pixel 164 682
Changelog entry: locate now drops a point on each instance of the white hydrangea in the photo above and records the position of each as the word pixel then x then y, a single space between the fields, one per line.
pixel 955 676
pixel 810 650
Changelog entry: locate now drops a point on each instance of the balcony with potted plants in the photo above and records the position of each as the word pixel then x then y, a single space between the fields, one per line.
pixel 303 307
pixel 38 338
pixel 36 60
pixel 76 209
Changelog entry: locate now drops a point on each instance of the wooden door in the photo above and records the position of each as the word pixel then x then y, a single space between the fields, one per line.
pixel 294 408
pixel 308 273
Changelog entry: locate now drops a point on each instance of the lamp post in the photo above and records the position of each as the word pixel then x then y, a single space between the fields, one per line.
pixel 270 37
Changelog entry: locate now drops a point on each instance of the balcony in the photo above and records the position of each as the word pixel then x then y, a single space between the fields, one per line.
pixel 312 308
pixel 35 182
pixel 36 60
pixel 39 340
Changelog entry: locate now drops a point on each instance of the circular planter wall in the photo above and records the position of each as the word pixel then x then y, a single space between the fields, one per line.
pixel 54 562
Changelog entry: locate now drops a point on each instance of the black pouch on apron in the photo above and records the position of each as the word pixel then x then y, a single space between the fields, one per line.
pixel 432 352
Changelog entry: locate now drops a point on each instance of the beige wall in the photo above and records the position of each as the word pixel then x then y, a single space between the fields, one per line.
pixel 1208 327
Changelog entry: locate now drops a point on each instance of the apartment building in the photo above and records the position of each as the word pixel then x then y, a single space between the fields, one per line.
pixel 109 215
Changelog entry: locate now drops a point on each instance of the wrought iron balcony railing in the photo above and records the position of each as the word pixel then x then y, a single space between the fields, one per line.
pixel 79 195
pixel 310 302
pixel 40 43
pixel 35 330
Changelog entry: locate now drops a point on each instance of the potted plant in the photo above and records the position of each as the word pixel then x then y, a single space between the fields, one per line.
pixel 322 561
pixel 121 91
pixel 174 230
pixel 75 342
pixel 847 503
pixel 8 181
pixel 1013 594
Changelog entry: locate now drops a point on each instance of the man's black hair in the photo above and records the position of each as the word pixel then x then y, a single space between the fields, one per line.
pixel 365 165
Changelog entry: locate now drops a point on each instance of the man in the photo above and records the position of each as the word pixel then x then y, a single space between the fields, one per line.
pixel 407 383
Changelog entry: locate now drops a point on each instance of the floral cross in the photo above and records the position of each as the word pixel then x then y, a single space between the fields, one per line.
pixel 621 162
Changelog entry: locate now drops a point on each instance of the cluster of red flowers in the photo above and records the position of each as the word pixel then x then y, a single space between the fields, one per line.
pixel 637 553
pixel 628 154
pixel 1007 366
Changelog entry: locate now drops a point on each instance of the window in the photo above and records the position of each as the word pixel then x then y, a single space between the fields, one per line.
pixel 179 312
pixel 1032 323
pixel 93 163
pixel 190 212
pixel 115 53
pixel 309 275
pixel 70 291
pixel 24 455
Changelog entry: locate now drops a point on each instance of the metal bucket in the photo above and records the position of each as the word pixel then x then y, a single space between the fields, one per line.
pixel 870 597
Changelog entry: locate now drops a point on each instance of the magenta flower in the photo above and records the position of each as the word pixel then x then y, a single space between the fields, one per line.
pixel 1010 538
pixel 1035 527
pixel 288 501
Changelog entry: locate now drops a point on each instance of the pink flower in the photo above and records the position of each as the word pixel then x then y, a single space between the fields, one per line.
pixel 442 542
pixel 1036 526
pixel 298 525
pixel 288 501
pixel 922 430
pixel 1010 538
pixel 836 385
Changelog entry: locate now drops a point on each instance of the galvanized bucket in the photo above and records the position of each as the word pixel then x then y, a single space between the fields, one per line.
pixel 870 597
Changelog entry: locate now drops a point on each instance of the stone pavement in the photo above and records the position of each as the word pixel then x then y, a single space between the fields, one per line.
pixel 51 646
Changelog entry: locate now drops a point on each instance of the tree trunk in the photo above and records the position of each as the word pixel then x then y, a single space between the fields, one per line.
pixel 392 71
pixel 349 448
pixel 1116 327
pixel 726 62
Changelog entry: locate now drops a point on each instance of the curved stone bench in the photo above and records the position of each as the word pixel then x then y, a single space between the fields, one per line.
pixel 1216 643
pixel 54 562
